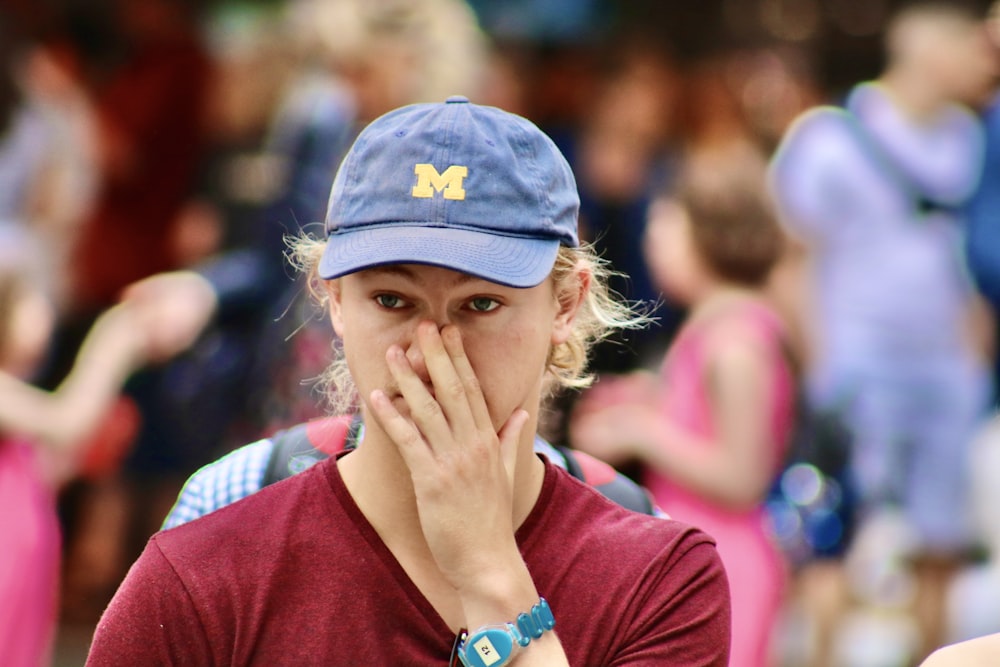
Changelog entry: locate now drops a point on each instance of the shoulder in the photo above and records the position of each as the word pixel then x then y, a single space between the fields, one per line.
pixel 599 529
pixel 747 331
pixel 818 125
pixel 878 112
pixel 816 145
pixel 659 583
pixel 235 476
pixel 744 313
pixel 263 520
pixel 271 536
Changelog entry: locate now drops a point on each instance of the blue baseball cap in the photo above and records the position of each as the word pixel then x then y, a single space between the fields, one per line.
pixel 456 185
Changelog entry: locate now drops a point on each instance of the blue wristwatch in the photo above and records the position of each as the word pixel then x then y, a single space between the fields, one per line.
pixel 496 645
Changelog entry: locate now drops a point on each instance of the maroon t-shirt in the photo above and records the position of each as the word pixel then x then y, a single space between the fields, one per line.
pixel 295 575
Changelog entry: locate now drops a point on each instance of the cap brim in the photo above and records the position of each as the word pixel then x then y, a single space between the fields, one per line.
pixel 506 260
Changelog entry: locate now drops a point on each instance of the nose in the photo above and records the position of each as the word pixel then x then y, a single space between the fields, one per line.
pixel 416 358
pixel 415 355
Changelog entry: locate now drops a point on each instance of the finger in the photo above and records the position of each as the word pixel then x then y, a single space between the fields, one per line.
pixel 510 436
pixel 411 445
pixel 449 386
pixel 425 411
pixel 135 291
pixel 452 338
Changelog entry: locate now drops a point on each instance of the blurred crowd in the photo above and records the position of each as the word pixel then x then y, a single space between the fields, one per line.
pixel 804 196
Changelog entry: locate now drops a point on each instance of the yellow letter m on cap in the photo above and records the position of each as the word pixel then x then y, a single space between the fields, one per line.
pixel 449 184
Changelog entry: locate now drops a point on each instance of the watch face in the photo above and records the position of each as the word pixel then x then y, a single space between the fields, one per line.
pixel 486 651
pixel 491 647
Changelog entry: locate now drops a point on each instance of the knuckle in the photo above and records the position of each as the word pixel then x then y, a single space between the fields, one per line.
pixel 431 408
pixel 473 384
pixel 409 438
pixel 454 389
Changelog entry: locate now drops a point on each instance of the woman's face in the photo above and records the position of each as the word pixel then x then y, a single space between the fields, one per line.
pixel 670 252
pixel 28 332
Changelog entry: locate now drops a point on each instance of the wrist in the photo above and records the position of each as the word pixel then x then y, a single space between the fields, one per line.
pixel 500 594
pixel 113 340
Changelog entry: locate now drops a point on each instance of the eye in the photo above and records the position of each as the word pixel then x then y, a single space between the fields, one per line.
pixel 483 304
pixel 390 301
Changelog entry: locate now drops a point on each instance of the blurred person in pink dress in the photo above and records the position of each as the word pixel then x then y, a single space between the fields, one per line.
pixel 45 437
pixel 711 429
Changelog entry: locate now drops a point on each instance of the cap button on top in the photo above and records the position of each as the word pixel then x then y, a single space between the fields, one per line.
pixel 457 99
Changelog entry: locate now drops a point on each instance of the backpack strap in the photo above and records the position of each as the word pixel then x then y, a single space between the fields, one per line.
pixel 304 445
pixel 612 484
pixel 921 201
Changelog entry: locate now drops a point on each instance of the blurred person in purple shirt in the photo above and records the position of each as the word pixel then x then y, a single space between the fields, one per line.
pixel 874 190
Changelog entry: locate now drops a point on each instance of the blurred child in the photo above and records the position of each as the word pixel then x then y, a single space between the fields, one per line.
pixel 42 438
pixel 710 430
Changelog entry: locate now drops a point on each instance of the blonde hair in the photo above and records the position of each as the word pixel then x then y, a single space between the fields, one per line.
pixel 601 313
